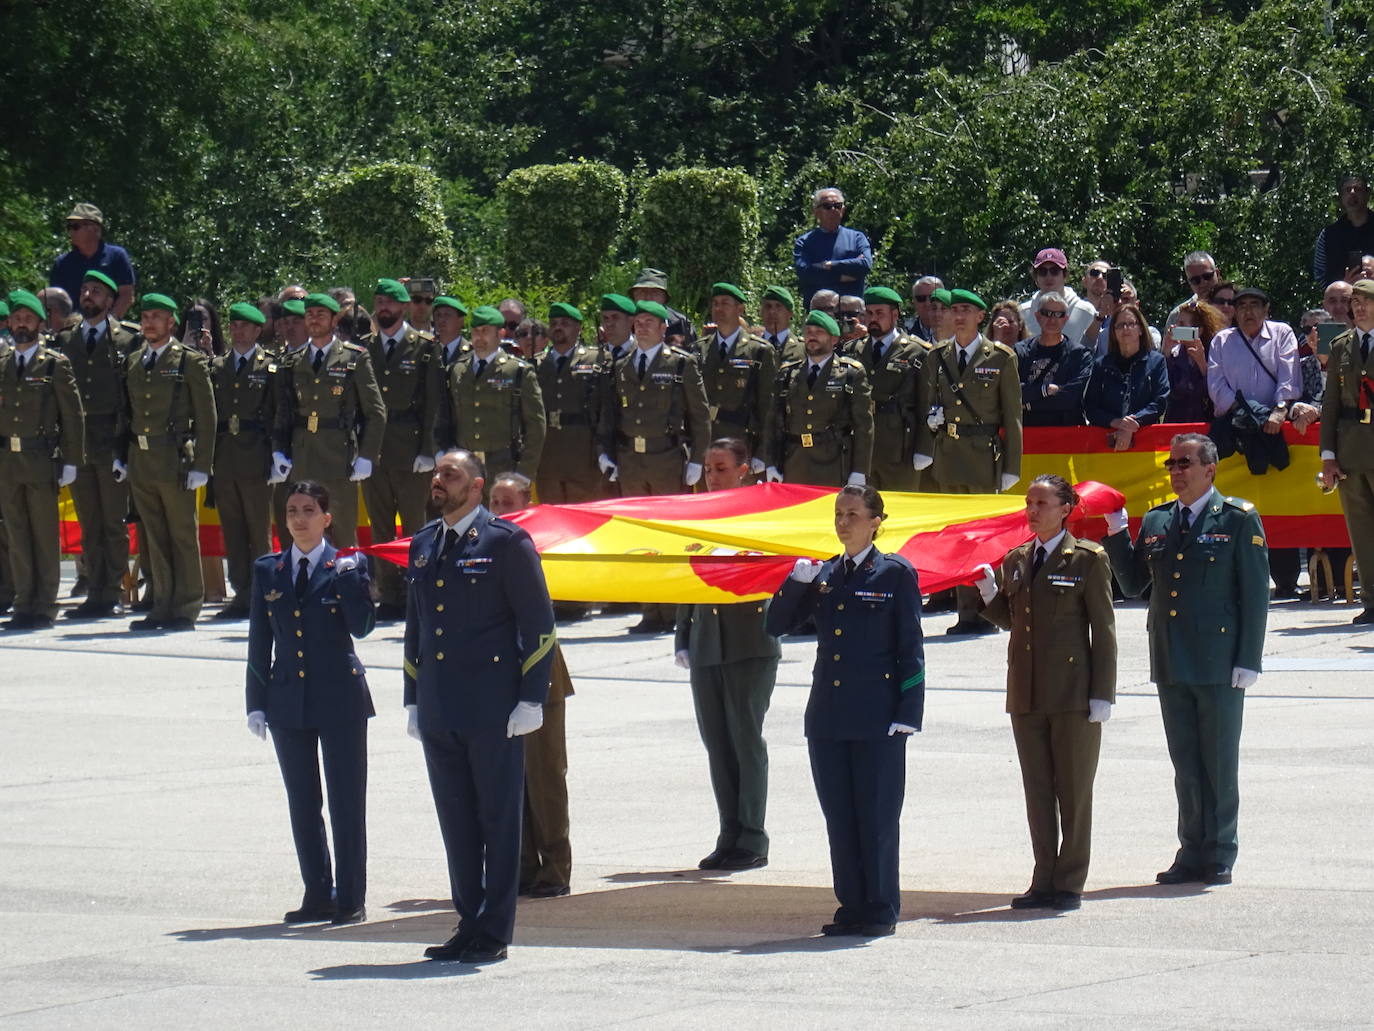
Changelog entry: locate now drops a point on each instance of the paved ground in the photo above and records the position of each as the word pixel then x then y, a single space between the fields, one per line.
pixel 145 858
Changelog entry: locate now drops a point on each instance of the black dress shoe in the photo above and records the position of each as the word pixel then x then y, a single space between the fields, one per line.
pixel 453 948
pixel 40 622
pixel 1216 873
pixel 1066 900
pixel 742 859
pixel 549 891
pixel 178 624
pixel 877 930
pixel 484 949
pixel 390 613
pixel 231 612
pixel 1033 900
pixel 1364 618
pixel 971 628
pixel 714 860
pixel 311 913
pixel 1179 873
pixel 145 624
pixel 842 929
pixel 650 626
pixel 91 610
pixel 78 589
pixel 146 605
pixel 19 621
pixel 351 916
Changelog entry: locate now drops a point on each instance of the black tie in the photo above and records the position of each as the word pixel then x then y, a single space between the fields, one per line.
pixel 150 361
pixel 1364 347
pixel 450 541
pixel 724 352
pixel 811 375
pixel 877 352
pixel 90 342
pixel 18 366
pixel 317 361
pixel 242 362
pixel 558 365
pixel 773 339
pixel 848 567
pixel 1185 519
pixel 643 364
pixel 1038 561
pixel 390 350
pixel 481 368
pixel 302 578
pixel 963 362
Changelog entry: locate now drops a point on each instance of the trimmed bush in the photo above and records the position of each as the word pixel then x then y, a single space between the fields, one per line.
pixel 561 221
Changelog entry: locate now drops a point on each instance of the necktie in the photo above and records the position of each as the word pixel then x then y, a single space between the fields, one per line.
pixel 302 578
pixel 963 362
pixel 390 350
pixel 317 361
pixel 811 375
pixel 848 567
pixel 1185 519
pixel 150 360
pixel 242 362
pixel 1038 561
pixel 450 541
pixel 773 339
pixel 877 352
pixel 643 364
pixel 90 341
pixel 558 365
pixel 1364 347
pixel 481 367
pixel 18 366
pixel 724 351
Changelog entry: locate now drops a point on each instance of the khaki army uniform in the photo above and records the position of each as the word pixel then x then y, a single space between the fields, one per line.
pixel 498 416
pixel 573 389
pixel 822 433
pixel 739 385
pixel 41 429
pixel 245 406
pixel 169 431
pixel 101 501
pixel 792 349
pixel 1347 431
pixel 545 848
pixel 325 420
pixel 894 377
pixel 280 490
pixel 658 422
pixel 410 380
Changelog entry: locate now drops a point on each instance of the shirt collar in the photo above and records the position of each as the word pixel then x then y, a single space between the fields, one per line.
pixel 312 558
pixel 99 327
pixel 811 363
pixel 156 352
pixel 970 349
pixel 452 346
pixel 400 334
pixel 251 353
pixel 27 353
pixel 462 525
pixel 858 559
pixel 887 340
pixel 320 350
pixel 781 335
pixel 1197 507
pixel 651 352
pixel 729 342
pixel 1052 543
pixel 494 355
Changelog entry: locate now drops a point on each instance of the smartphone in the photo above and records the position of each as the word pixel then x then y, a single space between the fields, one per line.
pixel 1114 280
pixel 1353 259
pixel 1182 333
pixel 1327 332
pixel 195 321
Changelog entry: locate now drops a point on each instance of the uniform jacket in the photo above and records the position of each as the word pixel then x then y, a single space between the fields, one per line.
pixel 411 383
pixel 1066 366
pixel 169 424
pixel 1347 426
pixel 739 389
pixel 486 415
pixel 98 376
pixel 479 627
pixel 983 406
pixel 302 670
pixel 1062 649
pixel 1140 390
pixel 666 410
pixel 717 634
pixel 870 661
pixel 342 402
pixel 1210 597
pixel 893 379
pixel 837 413
pixel 574 401
pixel 41 423
pixel 246 407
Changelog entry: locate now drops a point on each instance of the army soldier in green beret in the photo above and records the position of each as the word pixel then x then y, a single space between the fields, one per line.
pixel 330 417
pixel 823 419
pixel 652 286
pixel 245 387
pixel 968 430
pixel 738 371
pixel 492 405
pixel 41 432
pixel 776 310
pixel 98 349
pixel 167 449
pixel 616 333
pixel 410 372
pixel 448 316
pixel 893 362
pixel 572 385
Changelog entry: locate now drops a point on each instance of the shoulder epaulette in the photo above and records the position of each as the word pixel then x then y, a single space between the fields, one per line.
pixel 794 363
pixel 999 346
pixel 132 327
pixel 853 363
pixel 1240 503
pixel 1092 546
pixel 426 336
pixel 681 352
pixel 350 346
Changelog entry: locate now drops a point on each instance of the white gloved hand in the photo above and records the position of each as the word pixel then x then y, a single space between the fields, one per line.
pixel 1243 678
pixel 1099 710
pixel 986 583
pixel 774 475
pixel 120 470
pixel 1009 480
pixel 856 480
pixel 900 728
pixel 257 724
pixel 608 468
pixel 936 418
pixel 525 718
pixel 683 659
pixel 692 474
pixel 281 468
pixel 422 464
pixel 919 462
pixel 413 721
pixel 1117 521
pixel 362 469
pixel 805 570
pixel 196 479
pixel 68 475
pixel 757 465
pixel 346 562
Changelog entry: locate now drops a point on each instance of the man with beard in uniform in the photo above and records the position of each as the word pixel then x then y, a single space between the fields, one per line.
pixel 738 371
pixel 449 314
pixel 570 382
pixel 776 312
pixel 893 363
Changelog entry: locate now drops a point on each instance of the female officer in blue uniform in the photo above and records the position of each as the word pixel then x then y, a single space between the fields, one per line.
pixel 867 696
pixel 307 686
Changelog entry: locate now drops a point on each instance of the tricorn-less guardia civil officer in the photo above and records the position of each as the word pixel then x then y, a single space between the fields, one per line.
pixel 1205 559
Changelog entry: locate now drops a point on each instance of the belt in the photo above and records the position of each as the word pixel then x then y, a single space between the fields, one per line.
pixel 1358 414
pixel 562 420
pixel 641 444
pixel 974 429
pixel 809 439
pixel 736 418
pixel 235 425
pixel 147 441
pixel 18 444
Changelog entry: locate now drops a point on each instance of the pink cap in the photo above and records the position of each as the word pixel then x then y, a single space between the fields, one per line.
pixel 1051 256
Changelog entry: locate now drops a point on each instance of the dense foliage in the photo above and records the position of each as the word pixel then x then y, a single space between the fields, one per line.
pixel 561 221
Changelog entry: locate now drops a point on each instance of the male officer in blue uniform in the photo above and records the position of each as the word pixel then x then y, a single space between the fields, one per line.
pixel 478 652
pixel 1206 557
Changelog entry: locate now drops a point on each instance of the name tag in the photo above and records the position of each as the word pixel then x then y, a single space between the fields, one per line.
pixel 1214 538
pixel 1058 580
pixel 741 363
pixel 873 596
pixel 660 379
pixel 835 386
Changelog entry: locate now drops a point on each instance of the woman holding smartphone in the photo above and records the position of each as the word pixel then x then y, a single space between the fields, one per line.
pixel 1185 356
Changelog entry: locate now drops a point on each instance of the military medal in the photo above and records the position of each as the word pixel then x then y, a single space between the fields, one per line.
pixel 234 424
pixel 336 391
pixel 312 424
pixel 807 440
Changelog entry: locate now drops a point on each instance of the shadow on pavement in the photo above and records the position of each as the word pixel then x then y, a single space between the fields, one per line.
pixel 425 969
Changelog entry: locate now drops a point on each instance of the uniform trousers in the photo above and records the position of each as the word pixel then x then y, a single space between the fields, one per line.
pixel 1357 502
pixel 966 599
pixel 545 849
pixel 861 786
pixel 1058 753
pixel 388 493
pixel 1202 726
pixel 245 519
pixel 169 536
pixel 345 772
pixel 731 700
pixel 101 505
pixel 478 784
pixel 31 532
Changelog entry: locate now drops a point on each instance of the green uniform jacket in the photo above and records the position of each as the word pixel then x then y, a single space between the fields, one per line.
pixel 716 634
pixel 245 407
pixel 501 412
pixel 983 406
pixel 664 411
pixel 739 388
pixel 1210 597
pixel 41 421
pixel 1062 649
pixel 326 420
pixel 1347 427
pixel 574 401
pixel 411 384
pixel 894 382
pixel 169 426
pixel 837 416
pixel 98 377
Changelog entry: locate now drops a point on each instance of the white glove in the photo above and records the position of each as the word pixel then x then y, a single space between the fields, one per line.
pixel 68 475
pixel 757 465
pixel 899 728
pixel 774 476
pixel 121 471
pixel 1099 710
pixel 196 479
pixel 608 468
pixel 362 469
pixel 692 474
pixel 919 462
pixel 683 659
pixel 805 570
pixel 1009 480
pixel 281 468
pixel 986 583
pixel 345 563
pixel 422 464
pixel 525 718
pixel 1243 678
pixel 856 480
pixel 936 418
pixel 257 724
pixel 1116 522
pixel 413 721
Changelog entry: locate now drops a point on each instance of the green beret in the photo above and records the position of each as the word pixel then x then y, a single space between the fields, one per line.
pixel 780 293
pixel 245 312
pixel 617 302
pixel 727 290
pixel 820 318
pixel 452 302
pixel 967 297
pixel 561 309
pixel 295 307
pixel 882 295
pixel 941 296
pixel 100 278
pixel 652 308
pixel 486 315
pixel 4 310
pixel 394 289
pixel 322 301
pixel 159 302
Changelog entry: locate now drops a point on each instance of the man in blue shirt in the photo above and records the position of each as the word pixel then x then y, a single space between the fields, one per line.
pixel 86 228
pixel 831 256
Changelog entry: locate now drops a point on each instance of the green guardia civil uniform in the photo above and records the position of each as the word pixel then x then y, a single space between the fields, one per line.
pixel 1347 433
pixel 1209 601
pixel 41 429
pixel 894 369
pixel 573 387
pixel 738 375
pixel 495 410
pixel 822 432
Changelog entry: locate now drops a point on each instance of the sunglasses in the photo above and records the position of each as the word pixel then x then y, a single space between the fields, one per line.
pixel 830 205
pixel 1179 463
pixel 1205 277
pixel 421 300
pixel 1046 270
pixel 1096 273
pixel 1052 314
pixel 1225 302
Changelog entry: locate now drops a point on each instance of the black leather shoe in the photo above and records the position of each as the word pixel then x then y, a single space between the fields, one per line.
pixel 1364 618
pixel 145 624
pixel 453 948
pixel 40 622
pixel 180 623
pixel 90 610
pixel 232 612
pixel 484 949
pixel 1179 874
pixel 549 891
pixel 714 860
pixel 390 613
pixel 19 621
pixel 311 913
pixel 647 626
pixel 1033 900
pixel 971 628
pixel 742 859
pixel 842 929
pixel 1066 900
pixel 877 930
pixel 146 605
pixel 1216 873
pixel 351 916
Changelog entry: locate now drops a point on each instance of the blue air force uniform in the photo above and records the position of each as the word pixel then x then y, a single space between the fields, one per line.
pixel 869 674
pixel 304 675
pixel 479 639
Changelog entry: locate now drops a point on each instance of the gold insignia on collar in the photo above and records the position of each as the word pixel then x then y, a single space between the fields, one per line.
pixel 421 561
pixel 472 532
pixel 272 595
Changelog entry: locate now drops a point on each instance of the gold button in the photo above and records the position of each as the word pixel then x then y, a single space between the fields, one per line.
pixel 1028 610
pixel 838 608
pixel 385 389
pixel 887 676
pixel 301 673
pixel 1178 576
pixel 760 608
pixel 1223 630
pixel 269 612
pixel 1179 556
pixel 838 631
pixel 715 612
pixel 809 412
pixel 439 608
pixel 1173 594
pixel 438 631
pixel 1173 612
pixel 297 613
pixel 1027 647
pixel 1070 658
pixel 299 634
pixel 439 656
pixel 496 658
pixel 837 683
pixel 300 655
pixel 438 583
pixel 836 656
pixel 354 671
